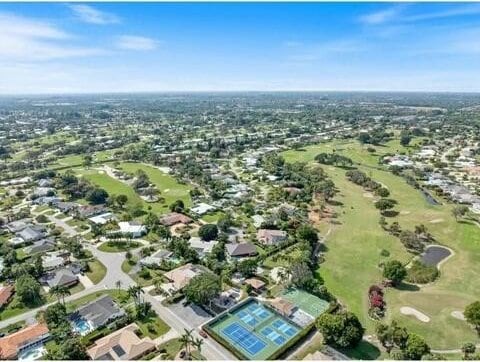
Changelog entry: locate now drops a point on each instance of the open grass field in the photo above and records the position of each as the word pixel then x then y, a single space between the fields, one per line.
pixel 169 188
pixel 97 271
pixel 354 247
pixel 111 185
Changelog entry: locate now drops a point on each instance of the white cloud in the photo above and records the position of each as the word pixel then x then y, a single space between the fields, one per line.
pixel 396 14
pixel 19 26
pixel 90 15
pixel 382 16
pixel 132 42
pixel 24 39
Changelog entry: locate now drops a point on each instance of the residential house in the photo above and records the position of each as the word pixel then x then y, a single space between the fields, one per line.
pixel 202 208
pixel 86 211
pixel 271 237
pixel 121 345
pixel 40 246
pixel 175 218
pixel 6 293
pixel 60 277
pixel 181 276
pixel 102 219
pixel 132 228
pixel 257 285
pixel 14 344
pixel 17 225
pixel 32 233
pixel 55 260
pixel 156 258
pixel 200 246
pixel 98 312
pixel 240 250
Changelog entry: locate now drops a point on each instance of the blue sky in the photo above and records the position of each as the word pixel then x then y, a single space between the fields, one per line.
pixel 104 47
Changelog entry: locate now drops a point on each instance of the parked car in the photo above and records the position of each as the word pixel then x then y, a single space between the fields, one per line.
pixel 203 333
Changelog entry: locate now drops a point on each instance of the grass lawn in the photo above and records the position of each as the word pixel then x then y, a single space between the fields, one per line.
pixel 127 266
pixel 172 347
pixel 15 307
pixel 116 248
pixel 97 271
pixel 152 326
pixel 112 186
pixel 169 188
pixel 213 217
pixel 354 245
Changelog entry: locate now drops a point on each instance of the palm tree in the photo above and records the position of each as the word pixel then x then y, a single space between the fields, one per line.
pixel 135 291
pixel 187 340
pixel 60 291
pixel 197 343
pixel 118 284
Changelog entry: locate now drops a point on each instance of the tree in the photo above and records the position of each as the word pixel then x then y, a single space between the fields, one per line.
pixel 55 315
pixel 224 222
pixel 72 349
pixel 415 347
pixel 121 200
pixel 307 233
pixel 472 314
pixel 247 267
pixel 97 196
pixel 405 139
pixel 28 289
pixel 203 288
pixel 208 232
pixel 468 349
pixel 186 340
pixel 87 160
pixel 385 204
pixel 394 271
pixel 392 335
pixel 459 211
pixel 342 330
pixel 118 284
pixel 177 206
pixel 60 291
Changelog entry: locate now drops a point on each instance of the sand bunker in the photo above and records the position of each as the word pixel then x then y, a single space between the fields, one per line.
pixel 436 221
pixel 368 194
pixel 417 314
pixel 404 212
pixel 458 315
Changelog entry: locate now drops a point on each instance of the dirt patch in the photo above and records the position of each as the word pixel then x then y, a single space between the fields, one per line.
pixel 458 315
pixel 416 313
pixel 368 195
pixel 436 221
pixel 404 212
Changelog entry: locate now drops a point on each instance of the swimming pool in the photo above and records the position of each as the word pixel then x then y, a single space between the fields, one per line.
pixel 82 326
pixel 32 353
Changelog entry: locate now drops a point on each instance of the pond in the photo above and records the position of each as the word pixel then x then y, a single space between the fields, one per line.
pixel 429 197
pixel 434 255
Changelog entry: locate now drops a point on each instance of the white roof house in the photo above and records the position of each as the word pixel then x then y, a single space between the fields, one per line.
pixel 200 246
pixel 133 228
pixel 202 208
pixel 102 219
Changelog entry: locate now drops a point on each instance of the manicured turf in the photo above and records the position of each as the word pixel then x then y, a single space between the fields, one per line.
pixel 97 271
pixel 108 247
pixel 112 186
pixel 311 304
pixel 169 188
pixel 354 247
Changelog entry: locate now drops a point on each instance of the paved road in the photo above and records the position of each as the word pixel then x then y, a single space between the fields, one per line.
pixel 113 262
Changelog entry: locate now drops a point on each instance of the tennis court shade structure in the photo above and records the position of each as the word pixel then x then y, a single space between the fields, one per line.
pixel 254 330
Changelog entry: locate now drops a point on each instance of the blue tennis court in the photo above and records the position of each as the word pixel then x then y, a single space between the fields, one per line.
pixel 254 330
pixel 284 327
pixel 244 338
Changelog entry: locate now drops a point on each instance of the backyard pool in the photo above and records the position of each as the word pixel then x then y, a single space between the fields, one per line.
pixel 81 326
pixel 32 353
